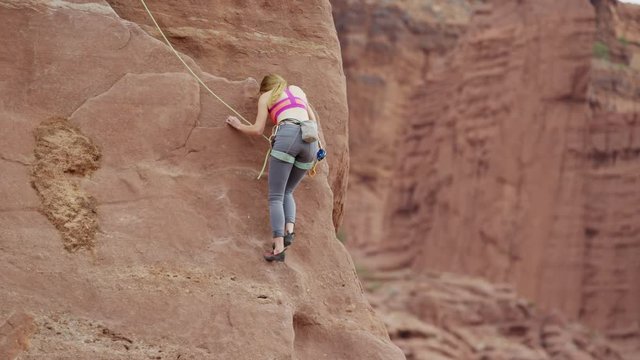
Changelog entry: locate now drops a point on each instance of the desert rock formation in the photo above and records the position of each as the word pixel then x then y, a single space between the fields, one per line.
pixel 515 159
pixel 440 316
pixel 132 226
pixel 388 49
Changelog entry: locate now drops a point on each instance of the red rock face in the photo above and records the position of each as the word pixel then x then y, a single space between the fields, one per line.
pixel 611 294
pixel 388 50
pixel 262 43
pixel 132 225
pixel 515 161
pixel 15 334
pixel 445 317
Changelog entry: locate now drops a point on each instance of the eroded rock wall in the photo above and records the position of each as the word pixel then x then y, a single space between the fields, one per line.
pixel 611 281
pixel 388 48
pixel 297 40
pixel 515 159
pixel 445 316
pixel 173 268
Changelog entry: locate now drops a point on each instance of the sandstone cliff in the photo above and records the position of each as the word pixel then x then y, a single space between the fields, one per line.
pixel 440 316
pixel 514 160
pixel 388 48
pixel 132 225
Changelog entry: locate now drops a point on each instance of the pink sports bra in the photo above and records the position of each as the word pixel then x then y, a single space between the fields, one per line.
pixel 287 103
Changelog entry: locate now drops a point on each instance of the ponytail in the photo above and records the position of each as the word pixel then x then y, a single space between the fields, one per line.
pixel 273 82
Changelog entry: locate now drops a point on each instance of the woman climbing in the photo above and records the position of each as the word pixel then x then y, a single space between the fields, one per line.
pixel 291 156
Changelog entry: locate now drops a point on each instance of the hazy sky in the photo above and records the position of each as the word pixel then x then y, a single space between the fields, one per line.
pixel 631 1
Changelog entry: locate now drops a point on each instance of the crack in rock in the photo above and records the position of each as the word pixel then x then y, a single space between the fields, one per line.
pixel 15 161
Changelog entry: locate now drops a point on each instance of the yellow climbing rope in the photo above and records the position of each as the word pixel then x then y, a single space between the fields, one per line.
pixel 188 67
pixel 166 40
pixel 312 172
pixel 266 158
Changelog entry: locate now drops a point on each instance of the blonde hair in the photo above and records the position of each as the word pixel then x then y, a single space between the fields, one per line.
pixel 273 82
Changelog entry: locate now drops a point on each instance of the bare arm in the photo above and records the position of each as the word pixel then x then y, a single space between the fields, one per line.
pixel 311 111
pixel 261 119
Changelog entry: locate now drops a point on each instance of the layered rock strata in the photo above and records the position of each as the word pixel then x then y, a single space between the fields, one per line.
pixel 450 317
pixel 388 48
pixel 515 160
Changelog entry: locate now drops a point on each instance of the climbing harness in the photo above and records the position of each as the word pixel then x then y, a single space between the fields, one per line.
pixel 276 154
pixel 310 166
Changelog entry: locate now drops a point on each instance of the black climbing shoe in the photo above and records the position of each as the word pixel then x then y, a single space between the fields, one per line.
pixel 274 257
pixel 288 240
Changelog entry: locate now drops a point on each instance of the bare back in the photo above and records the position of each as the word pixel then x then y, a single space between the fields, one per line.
pixel 291 104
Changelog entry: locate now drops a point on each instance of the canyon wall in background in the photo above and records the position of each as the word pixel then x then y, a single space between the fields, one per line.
pixel 388 50
pixel 500 139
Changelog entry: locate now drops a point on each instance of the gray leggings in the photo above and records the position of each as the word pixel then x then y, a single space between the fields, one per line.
pixel 284 177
